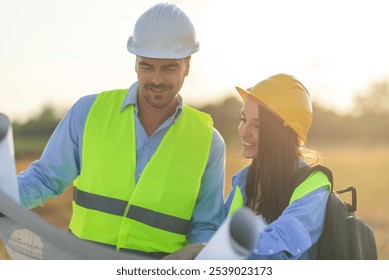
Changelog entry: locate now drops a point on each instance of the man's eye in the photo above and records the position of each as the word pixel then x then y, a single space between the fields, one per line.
pixel 171 68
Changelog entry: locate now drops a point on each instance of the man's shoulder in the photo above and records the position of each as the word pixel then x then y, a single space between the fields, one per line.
pixel 87 98
pixel 114 91
pixel 85 103
pixel 197 111
pixel 217 137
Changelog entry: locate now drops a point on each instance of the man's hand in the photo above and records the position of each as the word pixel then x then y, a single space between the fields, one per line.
pixel 187 253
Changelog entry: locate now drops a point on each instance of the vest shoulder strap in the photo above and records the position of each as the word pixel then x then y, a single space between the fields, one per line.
pixel 310 178
pixel 237 201
pixel 303 173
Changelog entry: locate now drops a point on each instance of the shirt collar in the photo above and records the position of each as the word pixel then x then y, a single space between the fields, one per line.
pixel 131 99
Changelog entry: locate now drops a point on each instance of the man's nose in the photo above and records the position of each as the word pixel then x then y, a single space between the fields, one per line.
pixel 157 78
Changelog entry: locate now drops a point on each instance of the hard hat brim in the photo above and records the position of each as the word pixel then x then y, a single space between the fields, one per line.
pixel 247 94
pixel 177 53
pixel 243 93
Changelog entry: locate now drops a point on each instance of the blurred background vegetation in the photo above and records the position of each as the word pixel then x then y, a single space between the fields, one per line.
pixel 367 123
pixel 355 146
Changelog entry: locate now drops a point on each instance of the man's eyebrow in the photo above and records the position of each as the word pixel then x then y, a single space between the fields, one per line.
pixel 173 64
pixel 144 63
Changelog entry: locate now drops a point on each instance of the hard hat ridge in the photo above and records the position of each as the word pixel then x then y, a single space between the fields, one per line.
pixel 163 31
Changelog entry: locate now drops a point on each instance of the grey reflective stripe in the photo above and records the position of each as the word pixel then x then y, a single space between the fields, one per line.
pixel 98 202
pixel 117 207
pixel 141 254
pixel 158 220
pixel 153 255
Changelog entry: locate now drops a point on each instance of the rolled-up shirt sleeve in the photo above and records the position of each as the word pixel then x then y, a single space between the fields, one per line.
pixel 60 162
pixel 209 210
pixel 296 230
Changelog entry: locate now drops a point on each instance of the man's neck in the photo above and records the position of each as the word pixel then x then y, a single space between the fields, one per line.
pixel 151 118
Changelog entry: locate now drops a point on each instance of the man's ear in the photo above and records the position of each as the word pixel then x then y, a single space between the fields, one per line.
pixel 187 65
pixel 136 64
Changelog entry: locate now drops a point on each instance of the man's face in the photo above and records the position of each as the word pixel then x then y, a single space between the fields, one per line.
pixel 160 80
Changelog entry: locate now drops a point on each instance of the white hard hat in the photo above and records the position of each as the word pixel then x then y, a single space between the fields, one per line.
pixel 163 31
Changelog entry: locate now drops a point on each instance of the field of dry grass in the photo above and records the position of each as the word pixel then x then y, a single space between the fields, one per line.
pixel 363 167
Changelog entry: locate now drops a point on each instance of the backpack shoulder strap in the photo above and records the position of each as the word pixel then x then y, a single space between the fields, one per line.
pixel 303 173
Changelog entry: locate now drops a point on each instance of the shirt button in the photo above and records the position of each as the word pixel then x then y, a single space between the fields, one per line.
pixel 145 147
pixel 271 251
pixel 298 250
pixel 256 251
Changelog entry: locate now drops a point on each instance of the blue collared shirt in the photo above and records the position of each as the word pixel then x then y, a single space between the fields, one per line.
pixel 295 233
pixel 61 163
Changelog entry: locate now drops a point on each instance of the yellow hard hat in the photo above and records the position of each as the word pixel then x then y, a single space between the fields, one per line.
pixel 286 97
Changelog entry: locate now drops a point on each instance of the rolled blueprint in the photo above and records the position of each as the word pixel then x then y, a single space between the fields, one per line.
pixel 26 236
pixel 235 239
pixel 8 182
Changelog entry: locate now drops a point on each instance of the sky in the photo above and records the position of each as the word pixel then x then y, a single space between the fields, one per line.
pixel 56 51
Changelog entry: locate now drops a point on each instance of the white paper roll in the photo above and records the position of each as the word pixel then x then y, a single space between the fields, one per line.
pixel 235 238
pixel 8 183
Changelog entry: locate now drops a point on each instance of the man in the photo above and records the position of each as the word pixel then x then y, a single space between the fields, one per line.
pixel 150 170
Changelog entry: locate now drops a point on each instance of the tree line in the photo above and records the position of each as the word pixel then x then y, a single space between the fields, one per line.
pixel 368 123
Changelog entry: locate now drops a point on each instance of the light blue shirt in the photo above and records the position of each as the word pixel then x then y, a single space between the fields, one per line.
pixel 295 233
pixel 60 164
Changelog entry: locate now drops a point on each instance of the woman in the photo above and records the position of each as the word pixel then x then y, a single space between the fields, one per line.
pixel 275 119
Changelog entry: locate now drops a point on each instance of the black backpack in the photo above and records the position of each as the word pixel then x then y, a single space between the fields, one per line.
pixel 345 235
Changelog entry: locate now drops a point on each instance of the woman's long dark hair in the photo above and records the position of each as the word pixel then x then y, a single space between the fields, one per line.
pixel 270 178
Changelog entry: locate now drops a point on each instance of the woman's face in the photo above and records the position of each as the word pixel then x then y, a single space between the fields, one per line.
pixel 248 129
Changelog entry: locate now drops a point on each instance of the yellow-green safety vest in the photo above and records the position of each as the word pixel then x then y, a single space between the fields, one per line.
pixel 314 181
pixel 153 214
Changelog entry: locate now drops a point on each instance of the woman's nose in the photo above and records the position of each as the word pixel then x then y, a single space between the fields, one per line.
pixel 244 130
